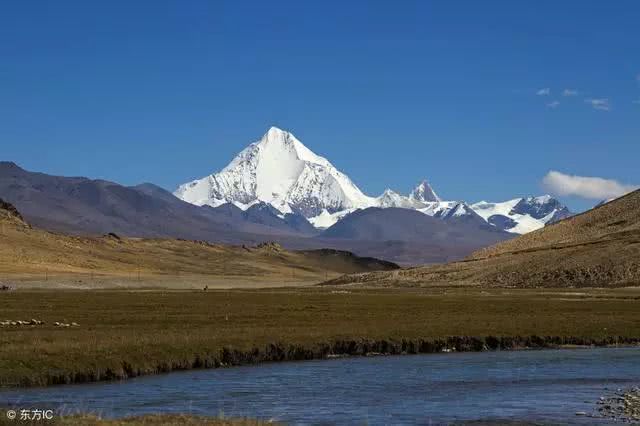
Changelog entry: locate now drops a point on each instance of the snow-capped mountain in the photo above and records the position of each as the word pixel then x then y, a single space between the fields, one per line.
pixel 278 170
pixel 522 215
pixel 424 193
pixel 281 171
pixel 391 198
pixel 439 209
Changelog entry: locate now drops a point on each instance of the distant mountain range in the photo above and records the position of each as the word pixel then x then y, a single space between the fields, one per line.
pixel 278 190
pixel 280 171
pixel 82 206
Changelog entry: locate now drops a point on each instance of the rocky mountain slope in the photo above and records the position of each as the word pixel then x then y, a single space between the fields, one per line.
pixel 599 248
pixel 10 215
pixel 279 170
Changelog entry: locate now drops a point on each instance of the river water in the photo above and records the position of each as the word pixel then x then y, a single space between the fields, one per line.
pixel 545 386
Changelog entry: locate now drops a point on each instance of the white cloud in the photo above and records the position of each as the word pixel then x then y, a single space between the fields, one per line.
pixel 570 92
pixel 637 102
pixel 586 187
pixel 553 104
pixel 544 92
pixel 599 104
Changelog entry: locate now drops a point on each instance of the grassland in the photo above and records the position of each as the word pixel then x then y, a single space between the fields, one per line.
pixel 163 420
pixel 128 333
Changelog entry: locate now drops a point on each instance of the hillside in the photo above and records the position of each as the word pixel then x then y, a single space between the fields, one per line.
pixel 599 248
pixel 31 253
pixel 9 215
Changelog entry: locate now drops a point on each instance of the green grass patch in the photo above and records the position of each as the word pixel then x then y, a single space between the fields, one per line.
pixel 126 333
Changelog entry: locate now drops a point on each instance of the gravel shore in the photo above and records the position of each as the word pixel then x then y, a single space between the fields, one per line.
pixel 623 405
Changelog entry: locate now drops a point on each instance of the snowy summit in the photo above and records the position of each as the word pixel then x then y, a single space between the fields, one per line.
pixel 280 171
pixel 424 193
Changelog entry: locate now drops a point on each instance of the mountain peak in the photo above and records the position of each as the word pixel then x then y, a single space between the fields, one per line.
pixel 522 215
pixel 277 135
pixel 10 166
pixel 273 130
pixel 279 170
pixel 424 193
pixel 390 198
pixel 286 147
pixel 542 199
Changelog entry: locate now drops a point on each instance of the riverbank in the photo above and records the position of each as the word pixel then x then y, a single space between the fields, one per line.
pixel 623 406
pixel 162 420
pixel 123 334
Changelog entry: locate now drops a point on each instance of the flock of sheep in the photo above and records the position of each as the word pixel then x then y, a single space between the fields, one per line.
pixel 36 322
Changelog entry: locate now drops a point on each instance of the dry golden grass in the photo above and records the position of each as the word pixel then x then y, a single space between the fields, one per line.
pixel 38 258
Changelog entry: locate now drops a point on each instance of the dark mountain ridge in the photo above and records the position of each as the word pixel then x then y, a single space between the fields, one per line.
pixel 79 205
pixel 398 224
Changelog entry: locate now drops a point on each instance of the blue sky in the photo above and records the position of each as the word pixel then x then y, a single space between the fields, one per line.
pixel 390 92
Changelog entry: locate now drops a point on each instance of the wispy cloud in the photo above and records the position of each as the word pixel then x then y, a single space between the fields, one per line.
pixel 570 92
pixel 544 92
pixel 553 104
pixel 601 104
pixel 637 102
pixel 594 188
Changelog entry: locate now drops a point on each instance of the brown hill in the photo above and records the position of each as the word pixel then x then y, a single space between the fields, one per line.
pixel 599 248
pixel 31 253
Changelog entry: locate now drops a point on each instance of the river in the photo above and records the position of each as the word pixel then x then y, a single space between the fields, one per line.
pixel 542 386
